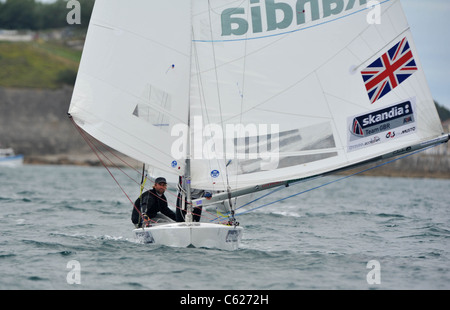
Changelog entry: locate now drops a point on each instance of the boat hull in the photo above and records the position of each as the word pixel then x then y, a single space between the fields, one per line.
pixel 11 161
pixel 199 235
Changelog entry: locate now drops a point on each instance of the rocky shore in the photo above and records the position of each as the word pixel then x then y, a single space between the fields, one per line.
pixel 415 166
pixel 35 123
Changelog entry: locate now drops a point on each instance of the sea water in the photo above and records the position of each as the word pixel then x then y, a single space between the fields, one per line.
pixel 67 227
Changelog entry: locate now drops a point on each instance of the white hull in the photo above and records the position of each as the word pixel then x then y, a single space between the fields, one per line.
pixel 11 161
pixel 199 235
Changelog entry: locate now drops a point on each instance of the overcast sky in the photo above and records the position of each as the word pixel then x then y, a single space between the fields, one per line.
pixel 430 25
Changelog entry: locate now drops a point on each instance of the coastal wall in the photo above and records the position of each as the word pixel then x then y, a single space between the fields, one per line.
pixel 35 123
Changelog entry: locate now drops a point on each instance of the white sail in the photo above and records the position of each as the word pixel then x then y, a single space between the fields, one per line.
pixel 305 81
pixel 239 96
pixel 303 66
pixel 133 81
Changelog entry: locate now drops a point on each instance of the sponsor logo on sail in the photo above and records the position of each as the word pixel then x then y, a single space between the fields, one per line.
pixel 270 15
pixel 381 125
pixel 382 120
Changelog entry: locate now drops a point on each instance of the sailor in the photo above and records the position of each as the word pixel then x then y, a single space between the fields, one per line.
pixel 152 205
pixel 197 211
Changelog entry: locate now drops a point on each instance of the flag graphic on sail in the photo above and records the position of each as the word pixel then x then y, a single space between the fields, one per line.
pixel 389 71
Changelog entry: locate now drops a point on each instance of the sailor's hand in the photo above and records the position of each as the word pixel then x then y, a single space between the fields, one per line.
pixel 146 219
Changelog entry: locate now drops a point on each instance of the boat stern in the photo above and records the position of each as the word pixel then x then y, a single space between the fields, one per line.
pixel 199 235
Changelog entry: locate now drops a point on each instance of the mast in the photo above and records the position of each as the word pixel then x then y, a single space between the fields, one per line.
pixel 187 188
pixel 187 172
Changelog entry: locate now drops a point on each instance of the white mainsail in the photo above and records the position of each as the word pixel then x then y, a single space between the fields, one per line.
pixel 299 76
pixel 299 65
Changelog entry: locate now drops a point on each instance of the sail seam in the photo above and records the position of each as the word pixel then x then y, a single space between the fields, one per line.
pixel 111 28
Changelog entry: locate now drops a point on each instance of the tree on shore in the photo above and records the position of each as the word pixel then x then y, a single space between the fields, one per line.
pixel 33 15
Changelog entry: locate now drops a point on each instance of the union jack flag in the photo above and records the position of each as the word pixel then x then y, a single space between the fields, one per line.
pixel 388 71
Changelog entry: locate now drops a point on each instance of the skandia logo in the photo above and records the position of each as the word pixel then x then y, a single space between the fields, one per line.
pixel 270 15
pixel 386 115
pixel 382 120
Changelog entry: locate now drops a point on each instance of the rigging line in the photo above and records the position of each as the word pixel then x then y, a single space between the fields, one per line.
pixel 93 148
pixel 216 75
pixel 137 150
pixel 144 177
pixel 331 182
pixel 92 144
pixel 325 62
pixel 108 149
pixel 219 101
pixel 250 202
pixel 96 151
pixel 143 181
pixel 202 101
pixel 180 190
pixel 241 95
pixel 117 167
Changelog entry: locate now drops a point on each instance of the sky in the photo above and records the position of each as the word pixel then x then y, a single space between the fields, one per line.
pixel 430 25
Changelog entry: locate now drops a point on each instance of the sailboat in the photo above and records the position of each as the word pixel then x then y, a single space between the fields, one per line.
pixel 9 159
pixel 238 97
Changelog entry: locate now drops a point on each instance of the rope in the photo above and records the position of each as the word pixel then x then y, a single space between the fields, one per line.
pixel 94 148
pixel 325 184
pixel 97 152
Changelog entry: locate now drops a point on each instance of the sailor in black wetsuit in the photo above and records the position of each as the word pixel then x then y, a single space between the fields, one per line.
pixel 151 203
pixel 197 211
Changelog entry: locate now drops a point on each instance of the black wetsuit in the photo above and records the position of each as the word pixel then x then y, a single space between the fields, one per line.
pixel 152 203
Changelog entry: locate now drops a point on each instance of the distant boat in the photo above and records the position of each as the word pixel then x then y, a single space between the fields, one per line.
pixel 9 158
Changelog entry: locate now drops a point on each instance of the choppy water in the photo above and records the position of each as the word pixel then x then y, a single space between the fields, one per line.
pixel 53 216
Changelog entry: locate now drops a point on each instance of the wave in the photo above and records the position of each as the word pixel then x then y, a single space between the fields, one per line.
pixel 7 255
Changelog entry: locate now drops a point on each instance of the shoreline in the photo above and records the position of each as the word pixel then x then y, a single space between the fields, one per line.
pixel 435 167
